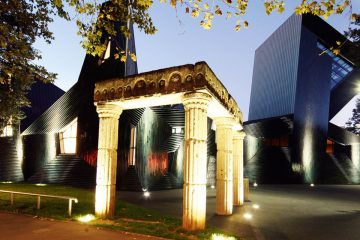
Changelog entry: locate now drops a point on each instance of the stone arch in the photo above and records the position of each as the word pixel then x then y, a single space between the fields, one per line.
pixel 151 89
pixel 162 86
pixel 189 83
pixel 139 88
pixel 127 92
pixel 174 83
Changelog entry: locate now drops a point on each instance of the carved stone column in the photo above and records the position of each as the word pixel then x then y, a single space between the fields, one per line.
pixel 224 165
pixel 195 160
pixel 238 169
pixel 107 160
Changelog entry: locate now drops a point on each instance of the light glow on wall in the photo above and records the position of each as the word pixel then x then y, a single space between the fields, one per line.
pixel 355 158
pixel 307 155
pixel 19 150
pixel 158 163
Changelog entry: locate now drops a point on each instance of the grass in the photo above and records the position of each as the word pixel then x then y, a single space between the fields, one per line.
pixel 129 217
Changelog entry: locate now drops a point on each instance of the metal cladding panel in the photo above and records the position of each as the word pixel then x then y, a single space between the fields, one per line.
pixel 275 69
pixel 62 112
pixel 42 96
pixel 270 127
pixel 311 106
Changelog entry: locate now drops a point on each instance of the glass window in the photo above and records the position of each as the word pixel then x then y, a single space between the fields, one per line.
pixel 340 68
pixel 177 130
pixel 67 137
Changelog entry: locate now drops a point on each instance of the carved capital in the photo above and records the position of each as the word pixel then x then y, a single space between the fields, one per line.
pixel 196 100
pixel 240 135
pixel 109 111
pixel 224 122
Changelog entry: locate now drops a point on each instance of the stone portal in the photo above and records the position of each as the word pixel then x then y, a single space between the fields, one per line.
pixel 203 96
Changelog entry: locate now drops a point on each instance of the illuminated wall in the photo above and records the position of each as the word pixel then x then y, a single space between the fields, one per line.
pixel 151 162
pixel 38 150
pixel 11 157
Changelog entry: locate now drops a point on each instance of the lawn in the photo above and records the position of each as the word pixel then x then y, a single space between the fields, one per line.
pixel 129 217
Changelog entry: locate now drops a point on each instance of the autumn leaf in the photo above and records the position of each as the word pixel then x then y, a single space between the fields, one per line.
pixel 228 15
pixel 133 57
pixel 195 13
pixel 173 3
pixel 218 12
pixel 353 16
pixel 246 24
pixel 336 51
pixel 123 58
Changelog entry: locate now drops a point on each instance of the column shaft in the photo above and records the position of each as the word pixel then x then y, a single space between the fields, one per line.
pixel 224 165
pixel 107 160
pixel 238 155
pixel 195 160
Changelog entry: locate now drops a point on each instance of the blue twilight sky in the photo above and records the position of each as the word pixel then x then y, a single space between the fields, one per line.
pixel 180 40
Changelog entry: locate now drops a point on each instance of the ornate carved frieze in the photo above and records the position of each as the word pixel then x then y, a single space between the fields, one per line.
pixel 186 78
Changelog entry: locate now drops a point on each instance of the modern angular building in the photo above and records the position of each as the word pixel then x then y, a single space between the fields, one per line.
pixel 41 96
pixel 298 86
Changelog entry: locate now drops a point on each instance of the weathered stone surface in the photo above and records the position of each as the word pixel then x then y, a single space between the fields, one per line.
pixel 224 165
pixel 186 78
pixel 238 169
pixel 195 159
pixel 246 189
pixel 107 160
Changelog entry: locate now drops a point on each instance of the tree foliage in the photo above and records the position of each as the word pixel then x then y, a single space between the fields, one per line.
pixel 353 124
pixel 353 34
pixel 22 22
pixel 136 11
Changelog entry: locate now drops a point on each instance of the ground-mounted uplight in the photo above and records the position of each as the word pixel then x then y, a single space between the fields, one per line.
pixel 255 184
pixel 312 185
pixel 219 236
pixel 146 194
pixel 40 184
pixel 86 218
pixel 256 206
pixel 248 216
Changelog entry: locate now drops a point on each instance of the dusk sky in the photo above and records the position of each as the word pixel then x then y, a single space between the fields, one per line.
pixel 180 40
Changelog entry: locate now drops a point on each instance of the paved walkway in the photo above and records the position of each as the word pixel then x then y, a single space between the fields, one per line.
pixel 285 212
pixel 170 202
pixel 20 227
pixel 303 212
pixel 293 212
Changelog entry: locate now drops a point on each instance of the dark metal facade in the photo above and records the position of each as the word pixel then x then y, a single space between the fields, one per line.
pixel 293 77
pixel 275 72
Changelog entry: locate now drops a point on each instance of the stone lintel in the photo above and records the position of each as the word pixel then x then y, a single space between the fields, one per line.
pixel 181 79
